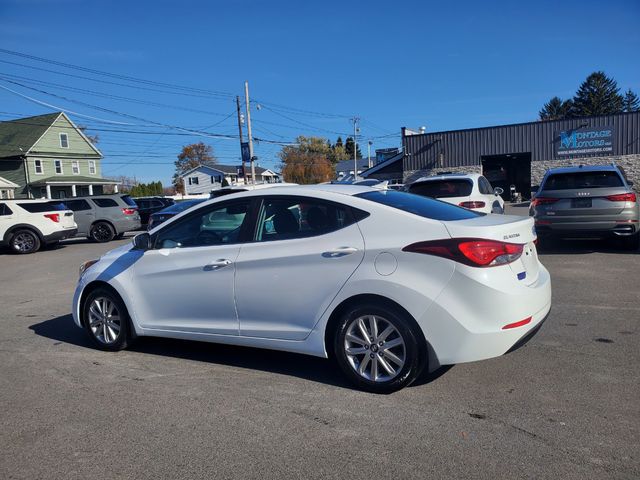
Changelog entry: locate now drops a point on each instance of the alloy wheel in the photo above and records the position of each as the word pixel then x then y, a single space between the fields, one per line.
pixel 104 320
pixel 24 242
pixel 375 348
pixel 102 232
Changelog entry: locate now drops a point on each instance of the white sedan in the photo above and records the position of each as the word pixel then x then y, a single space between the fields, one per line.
pixel 472 191
pixel 386 282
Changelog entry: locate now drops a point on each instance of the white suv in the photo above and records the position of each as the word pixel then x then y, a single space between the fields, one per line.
pixel 471 191
pixel 26 225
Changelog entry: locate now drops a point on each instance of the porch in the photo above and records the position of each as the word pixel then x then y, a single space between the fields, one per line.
pixel 73 186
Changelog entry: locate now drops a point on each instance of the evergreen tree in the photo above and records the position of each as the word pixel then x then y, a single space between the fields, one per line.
pixel 556 109
pixel 631 102
pixel 598 95
pixel 348 146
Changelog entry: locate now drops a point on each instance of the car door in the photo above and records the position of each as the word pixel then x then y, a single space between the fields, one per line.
pixel 186 281
pixel 83 214
pixel 304 251
pixel 6 219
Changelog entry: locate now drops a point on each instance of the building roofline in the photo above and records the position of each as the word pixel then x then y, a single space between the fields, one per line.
pixel 384 163
pixel 535 122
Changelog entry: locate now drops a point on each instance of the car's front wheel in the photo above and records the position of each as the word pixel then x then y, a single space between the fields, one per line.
pixel 102 232
pixel 24 241
pixel 106 320
pixel 378 349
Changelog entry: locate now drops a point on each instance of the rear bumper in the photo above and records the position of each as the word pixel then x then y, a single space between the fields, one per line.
pixel 128 224
pixel 465 323
pixel 60 235
pixel 587 229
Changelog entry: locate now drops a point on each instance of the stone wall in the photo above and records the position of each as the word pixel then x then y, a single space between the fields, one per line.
pixel 630 164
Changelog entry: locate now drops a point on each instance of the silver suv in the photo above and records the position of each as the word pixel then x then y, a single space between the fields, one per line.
pixel 587 201
pixel 103 217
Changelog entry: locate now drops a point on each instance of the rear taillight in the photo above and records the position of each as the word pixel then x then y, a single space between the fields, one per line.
pixel 622 197
pixel 517 324
pixel 53 216
pixel 470 251
pixel 472 204
pixel 543 201
pixel 129 211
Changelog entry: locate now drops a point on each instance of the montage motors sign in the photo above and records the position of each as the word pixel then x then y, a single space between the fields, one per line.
pixel 586 141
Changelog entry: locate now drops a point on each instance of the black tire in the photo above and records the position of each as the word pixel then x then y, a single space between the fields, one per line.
pixel 102 232
pixel 24 241
pixel 631 243
pixel 415 357
pixel 97 333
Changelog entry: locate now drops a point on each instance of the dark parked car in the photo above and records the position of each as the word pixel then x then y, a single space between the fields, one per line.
pixel 103 217
pixel 163 215
pixel 150 205
pixel 587 201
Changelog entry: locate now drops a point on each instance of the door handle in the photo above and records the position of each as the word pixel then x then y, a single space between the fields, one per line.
pixel 339 252
pixel 217 264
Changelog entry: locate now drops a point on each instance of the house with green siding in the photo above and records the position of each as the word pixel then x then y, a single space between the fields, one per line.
pixel 48 156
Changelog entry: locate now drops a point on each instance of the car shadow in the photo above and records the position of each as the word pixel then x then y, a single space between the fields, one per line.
pixel 315 369
pixel 580 246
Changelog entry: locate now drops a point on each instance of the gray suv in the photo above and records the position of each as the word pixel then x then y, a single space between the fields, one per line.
pixel 587 201
pixel 103 217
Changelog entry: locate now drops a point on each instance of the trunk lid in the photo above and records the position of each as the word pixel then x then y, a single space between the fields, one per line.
pixel 503 228
pixel 580 202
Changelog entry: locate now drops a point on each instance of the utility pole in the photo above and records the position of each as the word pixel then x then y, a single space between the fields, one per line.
pixel 248 105
pixel 369 153
pixel 240 133
pixel 355 121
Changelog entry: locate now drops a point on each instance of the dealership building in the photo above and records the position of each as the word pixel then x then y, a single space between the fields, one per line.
pixel 519 154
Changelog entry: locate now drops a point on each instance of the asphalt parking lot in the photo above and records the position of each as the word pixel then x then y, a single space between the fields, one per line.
pixel 564 406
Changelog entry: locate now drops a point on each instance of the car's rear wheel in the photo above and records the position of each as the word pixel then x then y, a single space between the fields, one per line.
pixel 378 349
pixel 106 320
pixel 102 232
pixel 24 241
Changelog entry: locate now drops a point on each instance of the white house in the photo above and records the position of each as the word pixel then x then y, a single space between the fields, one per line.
pixel 7 188
pixel 204 178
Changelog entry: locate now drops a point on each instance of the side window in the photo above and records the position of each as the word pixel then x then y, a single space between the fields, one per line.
pixel 156 204
pixel 77 205
pixel 104 202
pixel 4 209
pixel 484 186
pixel 143 204
pixel 217 224
pixel 299 217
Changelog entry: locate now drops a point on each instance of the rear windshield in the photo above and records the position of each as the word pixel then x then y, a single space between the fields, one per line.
pixel 443 188
pixel 129 201
pixel 42 206
pixel 421 206
pixel 571 181
pixel 181 206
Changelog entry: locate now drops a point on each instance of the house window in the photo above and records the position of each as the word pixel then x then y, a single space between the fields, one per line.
pixel 193 181
pixel 64 140
pixel 92 167
pixel 38 166
pixel 75 167
pixel 58 166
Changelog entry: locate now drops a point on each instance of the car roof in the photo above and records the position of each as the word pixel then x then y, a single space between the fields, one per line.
pixel 449 176
pixel 302 190
pixel 584 168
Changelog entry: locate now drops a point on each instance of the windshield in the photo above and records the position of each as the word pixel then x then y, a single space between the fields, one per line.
pixel 571 181
pixel 443 188
pixel 422 206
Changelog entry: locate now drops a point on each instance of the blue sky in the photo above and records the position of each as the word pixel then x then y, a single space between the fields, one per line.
pixel 311 65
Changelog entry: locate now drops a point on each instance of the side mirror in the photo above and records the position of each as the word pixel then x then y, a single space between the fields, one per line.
pixel 142 241
pixel 498 191
pixel 535 188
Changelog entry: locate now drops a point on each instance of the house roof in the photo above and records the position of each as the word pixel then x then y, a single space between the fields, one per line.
pixel 232 169
pixel 347 165
pixel 4 183
pixel 385 163
pixel 74 179
pixel 19 135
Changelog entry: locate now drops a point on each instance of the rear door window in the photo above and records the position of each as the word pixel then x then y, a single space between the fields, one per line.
pixel 104 202
pixel 422 206
pixel 443 188
pixel 77 205
pixel 40 207
pixel 578 180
